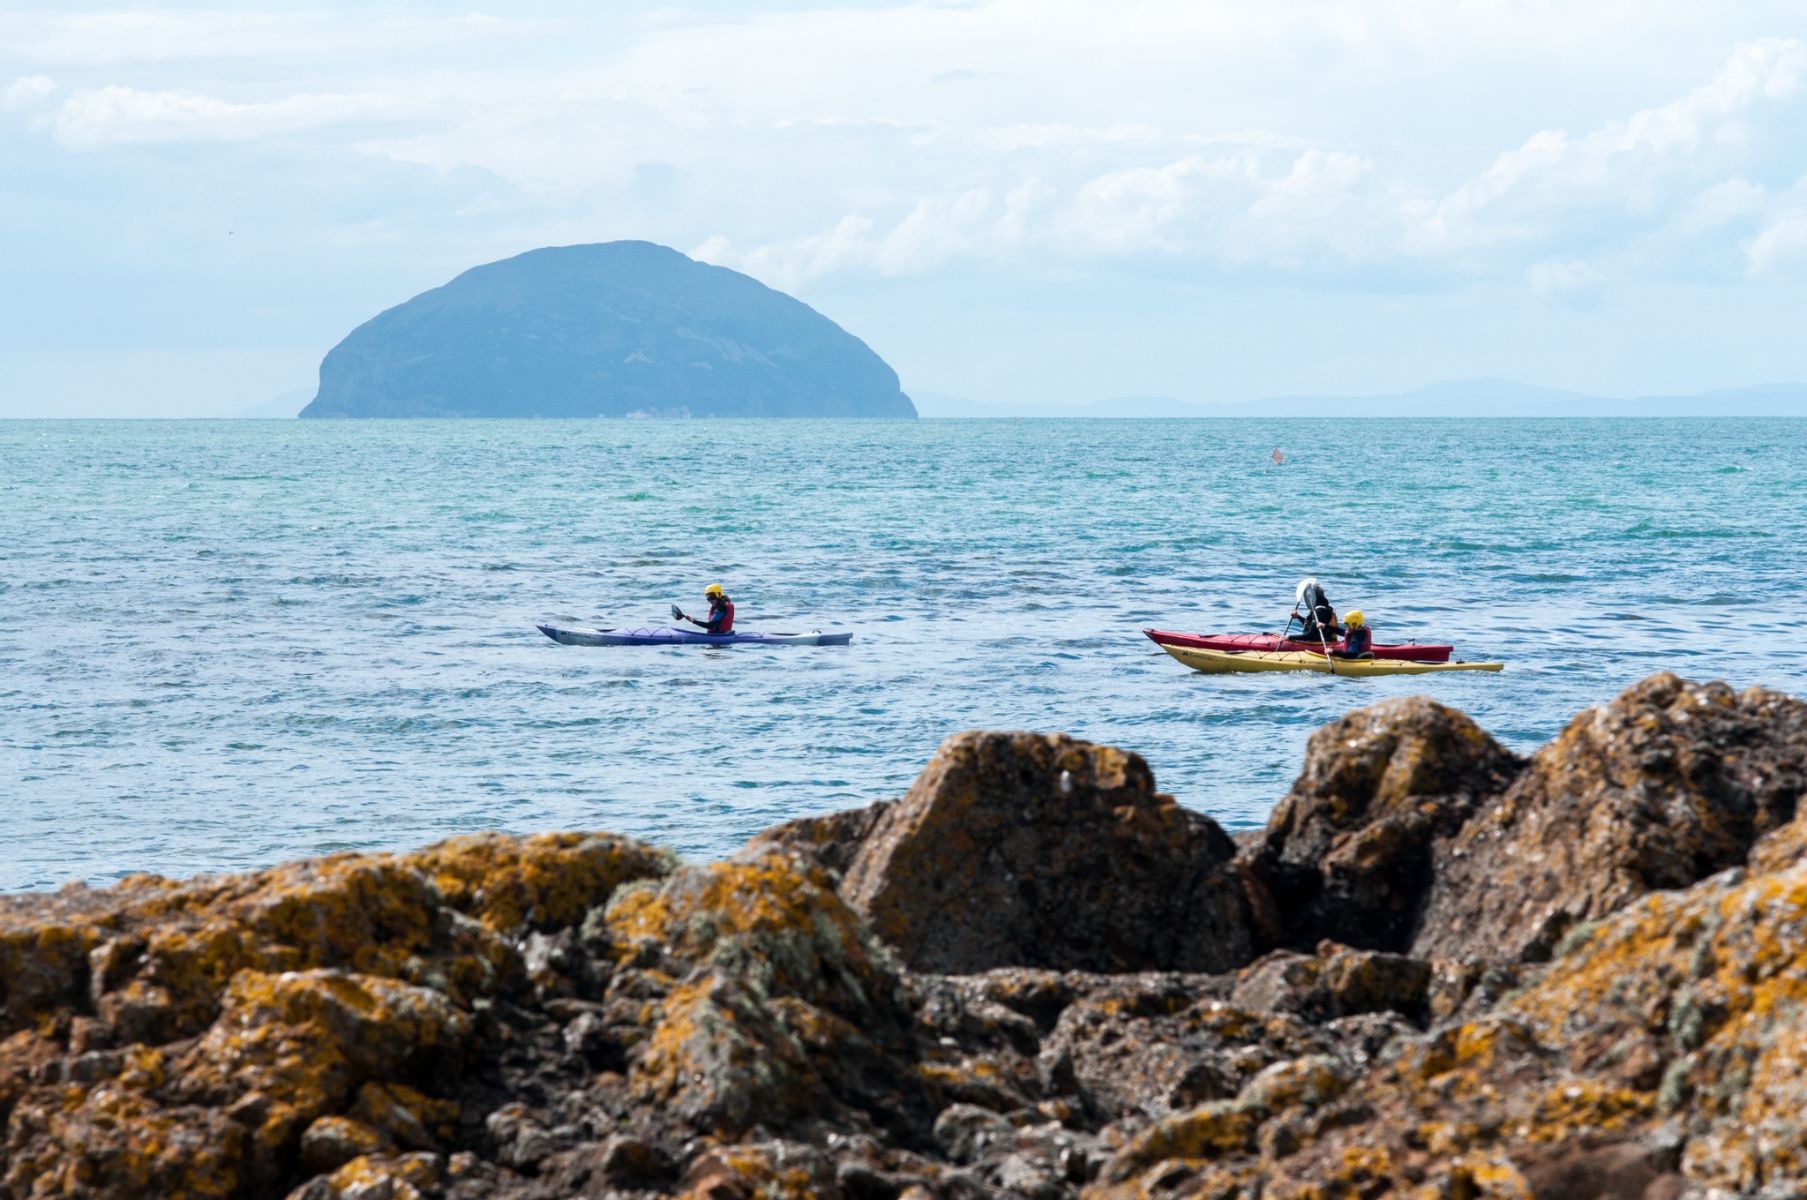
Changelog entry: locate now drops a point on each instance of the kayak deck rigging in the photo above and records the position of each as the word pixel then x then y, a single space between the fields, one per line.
pixel 1237 642
pixel 666 636
pixel 1220 662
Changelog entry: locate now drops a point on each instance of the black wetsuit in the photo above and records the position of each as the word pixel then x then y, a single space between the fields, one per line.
pixel 1319 621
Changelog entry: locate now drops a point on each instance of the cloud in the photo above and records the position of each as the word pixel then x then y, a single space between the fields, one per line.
pixel 1635 169
pixel 115 114
pixel 1302 141
pixel 1660 191
pixel 1780 250
pixel 27 91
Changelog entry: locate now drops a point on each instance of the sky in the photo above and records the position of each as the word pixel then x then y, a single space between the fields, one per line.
pixel 1009 200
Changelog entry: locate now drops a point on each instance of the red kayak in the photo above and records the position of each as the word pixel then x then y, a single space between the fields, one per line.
pixel 1231 642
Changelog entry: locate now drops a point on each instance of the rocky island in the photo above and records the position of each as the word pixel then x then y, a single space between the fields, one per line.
pixel 1441 970
pixel 611 330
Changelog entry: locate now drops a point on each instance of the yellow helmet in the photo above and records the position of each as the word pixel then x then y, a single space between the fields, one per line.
pixel 714 589
pixel 1354 618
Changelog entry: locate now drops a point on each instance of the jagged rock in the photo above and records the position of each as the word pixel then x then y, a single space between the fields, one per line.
pixel 1349 853
pixel 247 1009
pixel 1022 850
pixel 774 1002
pixel 1335 982
pixel 831 841
pixel 1666 785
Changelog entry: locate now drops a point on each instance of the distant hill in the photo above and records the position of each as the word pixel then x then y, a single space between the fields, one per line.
pixel 611 330
pixel 1506 398
pixel 1458 398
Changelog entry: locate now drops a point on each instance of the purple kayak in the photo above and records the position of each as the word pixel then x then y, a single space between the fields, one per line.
pixel 666 636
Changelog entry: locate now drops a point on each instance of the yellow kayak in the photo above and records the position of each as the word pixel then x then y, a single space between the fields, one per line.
pixel 1219 662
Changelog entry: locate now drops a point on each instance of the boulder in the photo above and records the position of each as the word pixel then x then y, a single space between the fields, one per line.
pixel 748 993
pixel 1661 788
pixel 1017 849
pixel 831 841
pixel 1350 852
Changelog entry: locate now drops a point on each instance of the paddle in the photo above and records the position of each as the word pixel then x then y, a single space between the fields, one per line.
pixel 1286 633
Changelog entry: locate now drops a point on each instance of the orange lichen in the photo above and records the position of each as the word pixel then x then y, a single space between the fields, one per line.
pixel 1207 1132
pixel 539 881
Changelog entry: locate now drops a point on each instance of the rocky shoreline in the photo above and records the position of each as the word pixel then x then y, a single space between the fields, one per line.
pixel 1442 970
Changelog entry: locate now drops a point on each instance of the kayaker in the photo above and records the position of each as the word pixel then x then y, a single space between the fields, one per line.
pixel 721 611
pixel 1358 639
pixel 1319 620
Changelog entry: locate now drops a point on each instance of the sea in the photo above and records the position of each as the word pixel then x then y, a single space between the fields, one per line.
pixel 225 644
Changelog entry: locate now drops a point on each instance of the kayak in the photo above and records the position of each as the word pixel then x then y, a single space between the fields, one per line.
pixel 1234 642
pixel 665 636
pixel 1218 662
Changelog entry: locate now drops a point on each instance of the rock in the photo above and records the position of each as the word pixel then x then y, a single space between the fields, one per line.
pixel 1335 982
pixel 629 1162
pixel 331 1142
pixel 1144 1047
pixel 1023 850
pixel 1215 1130
pixel 618 329
pixel 963 1131
pixel 831 841
pixel 1349 853
pixel 759 961
pixel 1616 1171
pixel 245 1011
pixel 1306 1083
pixel 1666 785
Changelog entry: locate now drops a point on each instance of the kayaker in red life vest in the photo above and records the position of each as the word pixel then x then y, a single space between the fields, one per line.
pixel 1358 639
pixel 721 611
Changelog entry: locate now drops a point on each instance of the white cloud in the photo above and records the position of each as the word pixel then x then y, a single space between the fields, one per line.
pixel 117 114
pixel 1646 164
pixel 27 91
pixel 1208 133
pixel 1780 250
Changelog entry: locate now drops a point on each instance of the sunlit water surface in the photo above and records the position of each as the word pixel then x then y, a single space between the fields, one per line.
pixel 225 644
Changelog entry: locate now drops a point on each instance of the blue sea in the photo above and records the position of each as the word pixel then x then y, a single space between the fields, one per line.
pixel 226 644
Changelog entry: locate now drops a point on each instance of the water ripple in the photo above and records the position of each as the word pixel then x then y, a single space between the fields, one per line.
pixel 227 643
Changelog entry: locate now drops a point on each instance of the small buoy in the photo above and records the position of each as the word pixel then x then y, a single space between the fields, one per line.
pixel 1278 457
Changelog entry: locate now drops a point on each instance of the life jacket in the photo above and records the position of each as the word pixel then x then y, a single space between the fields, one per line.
pixel 721 616
pixel 1358 640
